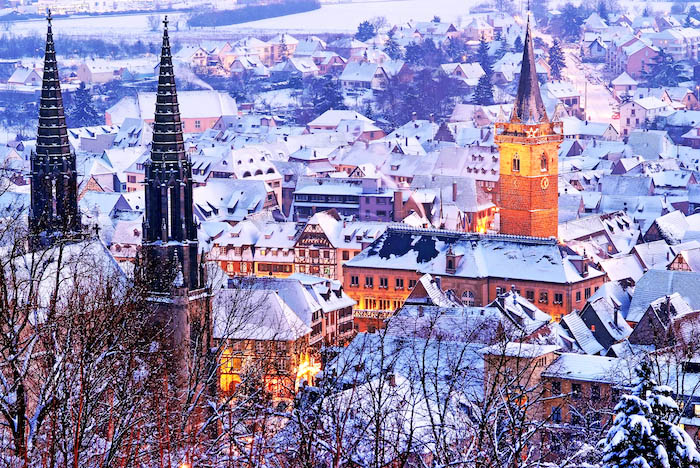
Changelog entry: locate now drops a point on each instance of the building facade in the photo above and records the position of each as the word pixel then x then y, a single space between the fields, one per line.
pixel 529 148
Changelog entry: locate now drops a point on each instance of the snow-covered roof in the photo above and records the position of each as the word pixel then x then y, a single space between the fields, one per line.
pixel 659 283
pixel 481 256
pixel 588 368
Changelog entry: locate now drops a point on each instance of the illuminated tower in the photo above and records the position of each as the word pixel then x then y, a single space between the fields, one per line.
pixel 54 191
pixel 529 151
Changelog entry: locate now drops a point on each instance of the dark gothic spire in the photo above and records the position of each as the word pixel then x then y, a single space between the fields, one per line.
pixel 54 201
pixel 528 107
pixel 169 231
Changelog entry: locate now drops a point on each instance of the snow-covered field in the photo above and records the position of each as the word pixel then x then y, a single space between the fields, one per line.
pixel 329 18
pixel 340 17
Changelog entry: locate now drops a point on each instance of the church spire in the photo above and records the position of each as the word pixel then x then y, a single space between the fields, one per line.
pixel 169 231
pixel 528 107
pixel 54 202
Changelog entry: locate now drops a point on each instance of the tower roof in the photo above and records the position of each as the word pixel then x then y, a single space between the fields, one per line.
pixel 168 143
pixel 528 107
pixel 52 133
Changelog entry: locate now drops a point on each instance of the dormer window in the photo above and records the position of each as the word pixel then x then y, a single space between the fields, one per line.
pixel 516 163
pixel 543 162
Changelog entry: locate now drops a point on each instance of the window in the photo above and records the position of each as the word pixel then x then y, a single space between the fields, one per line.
pixel 399 283
pixel 558 298
pixel 543 162
pixel 576 390
pixel 516 163
pixel 595 392
pixel 556 414
pixel 468 298
pixel 411 283
pixel 696 411
pixel 587 293
pixel 556 388
pixel 500 291
pixel 313 253
pixel 326 254
pixel 197 124
pixel 578 296
pixel 354 281
pixel 544 297
pixel 369 281
pixel 346 255
pixel 383 282
pixel 530 295
pixel 131 179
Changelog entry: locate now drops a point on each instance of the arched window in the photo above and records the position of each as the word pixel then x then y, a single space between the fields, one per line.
pixel 270 171
pixel 516 162
pixel 468 298
pixel 246 174
pixel 543 162
pixel 258 172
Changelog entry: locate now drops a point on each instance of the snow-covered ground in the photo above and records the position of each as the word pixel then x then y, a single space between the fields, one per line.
pixel 343 17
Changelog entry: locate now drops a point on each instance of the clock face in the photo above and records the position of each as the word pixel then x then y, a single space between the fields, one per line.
pixel 544 183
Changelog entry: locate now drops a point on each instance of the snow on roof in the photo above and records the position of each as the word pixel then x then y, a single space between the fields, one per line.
pixel 480 256
pixel 658 283
pixel 255 314
pixel 588 368
pixel 359 71
pixel 583 336
pixel 624 79
pixel 521 350
pixel 332 118
pixel 193 104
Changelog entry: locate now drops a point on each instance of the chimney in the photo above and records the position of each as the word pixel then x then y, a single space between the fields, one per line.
pixel 454 190
pixel 414 116
pixel 432 118
pixel 398 205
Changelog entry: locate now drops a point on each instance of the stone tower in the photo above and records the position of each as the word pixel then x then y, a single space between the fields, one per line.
pixel 169 232
pixel 529 151
pixel 54 211
pixel 170 252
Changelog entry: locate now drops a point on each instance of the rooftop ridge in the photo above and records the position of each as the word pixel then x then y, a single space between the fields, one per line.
pixel 471 235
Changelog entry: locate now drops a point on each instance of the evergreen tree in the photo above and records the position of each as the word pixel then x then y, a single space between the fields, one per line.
pixel 693 12
pixel 663 71
pixel 680 450
pixel 431 54
pixel 503 50
pixel 456 50
pixel 569 22
pixel 603 11
pixel 436 19
pixel 392 48
pixel 326 95
pixel 539 10
pixel 81 112
pixel 484 57
pixel 518 45
pixel 483 94
pixel 556 59
pixel 645 433
pixel 365 31
pixel 687 23
pixel 414 53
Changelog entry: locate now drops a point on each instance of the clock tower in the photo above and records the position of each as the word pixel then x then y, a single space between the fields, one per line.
pixel 529 150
